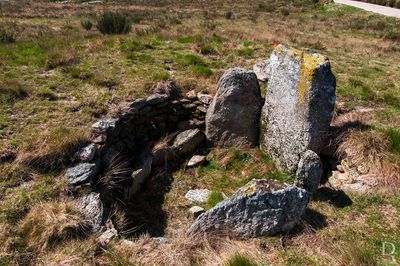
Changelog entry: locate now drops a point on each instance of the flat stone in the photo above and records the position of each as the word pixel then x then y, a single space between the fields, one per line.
pixel 196 211
pixel 198 195
pixel 187 141
pixel 87 153
pixel 105 238
pixel 205 98
pixel 80 174
pixel 92 208
pixel 157 98
pixel 197 160
pixel 161 240
pixel 260 208
pixel 105 125
pixel 299 106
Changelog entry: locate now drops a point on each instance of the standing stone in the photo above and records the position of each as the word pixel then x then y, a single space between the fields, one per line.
pixel 260 208
pixel 299 106
pixel 233 116
pixel 139 176
pixel 309 172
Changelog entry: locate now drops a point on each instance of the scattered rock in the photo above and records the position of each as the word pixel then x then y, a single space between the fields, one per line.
pixel 197 160
pixel 262 70
pixel 260 208
pixel 205 98
pixel 309 172
pixel 140 175
pixel 157 98
pixel 80 174
pixel 198 195
pixel 233 116
pixel 105 125
pixel 87 153
pixel 191 95
pixel 92 208
pixel 105 238
pixel 299 106
pixel 196 211
pixel 187 141
pixel 161 240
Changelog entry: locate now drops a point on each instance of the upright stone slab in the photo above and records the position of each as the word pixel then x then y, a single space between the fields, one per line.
pixel 299 106
pixel 233 116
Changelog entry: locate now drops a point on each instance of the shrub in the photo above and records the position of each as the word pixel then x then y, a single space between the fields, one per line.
pixel 87 24
pixel 114 23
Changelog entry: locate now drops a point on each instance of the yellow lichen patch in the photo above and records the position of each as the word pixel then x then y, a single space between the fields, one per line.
pixel 249 190
pixel 309 64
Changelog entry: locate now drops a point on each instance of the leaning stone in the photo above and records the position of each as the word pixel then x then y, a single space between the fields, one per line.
pixel 299 106
pixel 92 208
pixel 233 116
pixel 80 174
pixel 87 153
pixel 309 172
pixel 197 160
pixel 187 141
pixel 140 175
pixel 196 211
pixel 198 195
pixel 205 98
pixel 262 70
pixel 105 238
pixel 157 98
pixel 105 125
pixel 260 208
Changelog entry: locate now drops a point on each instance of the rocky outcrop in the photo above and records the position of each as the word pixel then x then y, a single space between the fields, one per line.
pixel 233 116
pixel 309 172
pixel 260 208
pixel 299 106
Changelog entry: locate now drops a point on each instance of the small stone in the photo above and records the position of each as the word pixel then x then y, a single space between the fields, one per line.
pixel 187 141
pixel 105 238
pixel 196 211
pixel 161 240
pixel 105 125
pixel 198 195
pixel 191 95
pixel 197 160
pixel 157 98
pixel 87 153
pixel 262 70
pixel 100 139
pixel 309 172
pixel 92 208
pixel 202 109
pixel 80 174
pixel 205 98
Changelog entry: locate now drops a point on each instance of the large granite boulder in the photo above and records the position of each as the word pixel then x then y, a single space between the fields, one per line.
pixel 299 106
pixel 233 116
pixel 260 208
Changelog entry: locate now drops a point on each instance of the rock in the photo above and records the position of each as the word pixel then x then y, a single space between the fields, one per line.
pixel 196 211
pixel 187 141
pixel 87 153
pixel 105 238
pixel 140 175
pixel 100 139
pixel 105 125
pixel 157 98
pixel 233 116
pixel 198 195
pixel 262 70
pixel 205 98
pixel 92 208
pixel 309 172
pixel 298 108
pixel 163 156
pixel 137 105
pixel 168 87
pixel 197 160
pixel 260 208
pixel 161 240
pixel 80 174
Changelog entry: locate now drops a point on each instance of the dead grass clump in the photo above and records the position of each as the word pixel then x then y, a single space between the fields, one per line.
pixel 49 223
pixel 53 149
pixel 60 58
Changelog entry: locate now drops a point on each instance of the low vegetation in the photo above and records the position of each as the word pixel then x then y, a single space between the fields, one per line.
pixel 58 75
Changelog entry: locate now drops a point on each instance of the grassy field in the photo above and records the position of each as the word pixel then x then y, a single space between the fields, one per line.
pixel 56 79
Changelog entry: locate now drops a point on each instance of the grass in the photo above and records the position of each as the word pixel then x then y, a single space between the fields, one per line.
pixel 240 260
pixel 57 78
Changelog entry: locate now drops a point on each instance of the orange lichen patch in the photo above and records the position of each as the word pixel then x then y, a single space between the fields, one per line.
pixel 309 64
